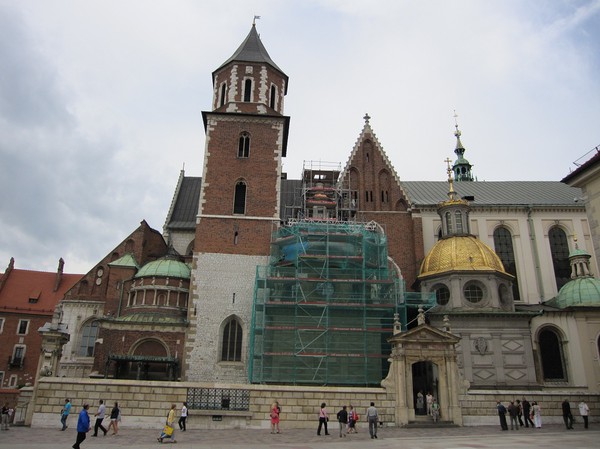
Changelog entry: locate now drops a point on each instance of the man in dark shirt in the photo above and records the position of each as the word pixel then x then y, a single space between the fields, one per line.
pixel 567 415
pixel 502 415
pixel 342 417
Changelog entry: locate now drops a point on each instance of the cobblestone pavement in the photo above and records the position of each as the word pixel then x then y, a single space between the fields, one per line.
pixel 484 437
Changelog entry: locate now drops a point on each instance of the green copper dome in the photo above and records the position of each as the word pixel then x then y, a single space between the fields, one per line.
pixel 165 268
pixel 579 292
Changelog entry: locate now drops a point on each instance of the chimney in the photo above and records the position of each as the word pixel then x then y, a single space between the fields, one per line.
pixel 59 272
pixel 10 267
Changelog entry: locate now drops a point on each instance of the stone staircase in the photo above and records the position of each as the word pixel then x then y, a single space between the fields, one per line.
pixel 424 422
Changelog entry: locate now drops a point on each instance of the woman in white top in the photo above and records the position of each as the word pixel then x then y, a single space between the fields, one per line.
pixel 536 411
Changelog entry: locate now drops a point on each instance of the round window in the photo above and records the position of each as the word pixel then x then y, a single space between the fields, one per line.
pixel 473 293
pixel 442 295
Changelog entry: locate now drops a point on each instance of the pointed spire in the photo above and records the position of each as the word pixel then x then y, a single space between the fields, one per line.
pixel 451 191
pixel 252 50
pixel 462 167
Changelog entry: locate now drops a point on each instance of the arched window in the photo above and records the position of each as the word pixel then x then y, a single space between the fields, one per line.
pixel 459 222
pixel 503 245
pixel 559 248
pixel 448 223
pixel 223 92
pixel 273 96
pixel 232 342
pixel 244 145
pixel 89 333
pixel 239 200
pixel 553 365
pixel 248 90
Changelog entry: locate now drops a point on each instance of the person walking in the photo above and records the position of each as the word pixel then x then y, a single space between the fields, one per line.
pixel 429 402
pixel 527 413
pixel 502 415
pixel 536 412
pixel 5 416
pixel 64 414
pixel 100 414
pixel 183 417
pixel 323 418
pixel 584 411
pixel 83 426
pixel 115 415
pixel 275 412
pixel 520 410
pixel 169 428
pixel 372 418
pixel 567 415
pixel 513 413
pixel 435 410
pixel 342 417
pixel 352 418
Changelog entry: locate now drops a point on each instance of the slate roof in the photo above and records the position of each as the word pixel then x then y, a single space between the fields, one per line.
pixel 185 210
pixel 582 168
pixel 420 193
pixel 495 193
pixel 253 50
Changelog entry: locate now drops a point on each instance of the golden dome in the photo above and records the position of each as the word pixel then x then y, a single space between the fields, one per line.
pixel 460 253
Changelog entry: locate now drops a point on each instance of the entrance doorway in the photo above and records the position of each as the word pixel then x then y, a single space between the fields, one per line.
pixel 425 380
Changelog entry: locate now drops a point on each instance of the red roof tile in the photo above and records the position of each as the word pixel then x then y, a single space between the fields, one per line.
pixel 21 288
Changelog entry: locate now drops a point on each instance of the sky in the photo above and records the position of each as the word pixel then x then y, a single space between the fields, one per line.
pixel 101 101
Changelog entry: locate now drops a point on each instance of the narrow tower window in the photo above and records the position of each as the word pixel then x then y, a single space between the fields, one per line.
pixel 559 248
pixel 459 222
pixel 247 90
pixel 448 223
pixel 503 245
pixel 223 92
pixel 244 145
pixel 239 201
pixel 273 97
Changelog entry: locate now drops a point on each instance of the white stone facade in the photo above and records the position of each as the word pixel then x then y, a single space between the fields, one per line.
pixel 223 286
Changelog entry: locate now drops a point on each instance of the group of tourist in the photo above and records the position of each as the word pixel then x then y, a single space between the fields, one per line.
pixel 347 419
pixel 522 413
pixel 428 404
pixel 84 421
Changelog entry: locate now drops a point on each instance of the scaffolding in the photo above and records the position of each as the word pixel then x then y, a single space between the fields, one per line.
pixel 322 194
pixel 325 306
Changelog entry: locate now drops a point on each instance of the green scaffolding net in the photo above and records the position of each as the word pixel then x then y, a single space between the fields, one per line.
pixel 325 306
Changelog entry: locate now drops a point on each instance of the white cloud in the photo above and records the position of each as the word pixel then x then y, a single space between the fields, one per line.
pixel 100 101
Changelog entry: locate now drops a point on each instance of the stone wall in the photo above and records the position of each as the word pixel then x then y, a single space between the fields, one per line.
pixel 479 408
pixel 145 405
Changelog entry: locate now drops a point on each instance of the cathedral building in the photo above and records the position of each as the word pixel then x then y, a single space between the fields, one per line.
pixel 332 278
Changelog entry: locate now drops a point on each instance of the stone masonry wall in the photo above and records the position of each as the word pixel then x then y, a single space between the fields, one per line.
pixel 145 405
pixel 223 286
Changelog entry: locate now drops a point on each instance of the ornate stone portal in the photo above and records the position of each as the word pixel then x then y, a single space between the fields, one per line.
pixel 436 348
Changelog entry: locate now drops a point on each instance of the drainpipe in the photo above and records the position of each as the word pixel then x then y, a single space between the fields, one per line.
pixel 536 255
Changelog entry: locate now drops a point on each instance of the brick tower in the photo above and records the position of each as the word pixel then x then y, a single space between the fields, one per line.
pixel 246 137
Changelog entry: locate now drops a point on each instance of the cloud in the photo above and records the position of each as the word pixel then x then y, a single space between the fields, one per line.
pixel 100 101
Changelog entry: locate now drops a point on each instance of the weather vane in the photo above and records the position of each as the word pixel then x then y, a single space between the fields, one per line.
pixel 254 20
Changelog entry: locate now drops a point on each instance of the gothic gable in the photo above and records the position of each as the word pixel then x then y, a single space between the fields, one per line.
pixel 370 173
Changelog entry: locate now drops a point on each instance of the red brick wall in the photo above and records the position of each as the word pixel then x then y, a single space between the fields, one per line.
pixel 32 341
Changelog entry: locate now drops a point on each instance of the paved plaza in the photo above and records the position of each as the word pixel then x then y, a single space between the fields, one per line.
pixel 550 437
